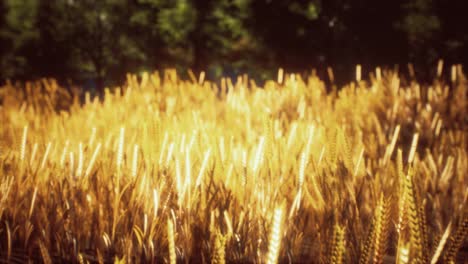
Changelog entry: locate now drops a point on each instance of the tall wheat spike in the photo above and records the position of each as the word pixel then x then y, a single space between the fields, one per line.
pixel 358 73
pixel 382 218
pixel 338 245
pixel 33 154
pixel 280 75
pixel 403 256
pixel 456 241
pixel 46 155
pixel 440 67
pixel 92 137
pixel 171 241
pixel 135 161
pixel 378 74
pixel 64 153
pixel 402 207
pixel 414 145
pixel 453 75
pixel 44 253
pixel 23 143
pixel 368 246
pixel 275 236
pixel 219 249
pixel 423 230
pixel 93 159
pixel 33 202
pixel 402 193
pixel 418 251
pixel 79 168
pixel 120 149
pixel 441 245
pixel 206 157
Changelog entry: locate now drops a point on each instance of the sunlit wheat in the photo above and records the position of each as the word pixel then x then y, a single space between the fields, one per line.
pixel 292 170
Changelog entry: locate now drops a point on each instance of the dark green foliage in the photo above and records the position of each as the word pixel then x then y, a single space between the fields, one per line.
pixel 96 42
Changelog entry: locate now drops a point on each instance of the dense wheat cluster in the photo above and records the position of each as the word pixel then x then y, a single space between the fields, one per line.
pixel 170 170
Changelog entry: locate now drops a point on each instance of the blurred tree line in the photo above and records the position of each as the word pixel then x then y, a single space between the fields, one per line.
pixel 99 41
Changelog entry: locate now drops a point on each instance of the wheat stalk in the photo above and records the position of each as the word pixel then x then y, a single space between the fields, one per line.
pixel 93 160
pixel 338 245
pixel 171 241
pixel 275 236
pixel 441 245
pixel 135 161
pixel 456 240
pixel 120 149
pixel 219 255
pixel 23 143
pixel 381 230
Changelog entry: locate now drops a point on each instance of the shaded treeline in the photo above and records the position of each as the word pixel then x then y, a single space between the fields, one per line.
pixel 94 43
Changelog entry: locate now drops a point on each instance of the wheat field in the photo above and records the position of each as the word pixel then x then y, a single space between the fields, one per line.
pixel 167 170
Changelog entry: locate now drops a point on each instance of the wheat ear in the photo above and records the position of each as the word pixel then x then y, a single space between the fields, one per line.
pixel 338 246
pixel 170 238
pixel 275 236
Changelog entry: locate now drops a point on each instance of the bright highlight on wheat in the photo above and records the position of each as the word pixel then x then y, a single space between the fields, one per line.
pixel 275 236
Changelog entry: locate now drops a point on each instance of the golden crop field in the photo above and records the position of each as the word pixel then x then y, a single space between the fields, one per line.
pixel 166 170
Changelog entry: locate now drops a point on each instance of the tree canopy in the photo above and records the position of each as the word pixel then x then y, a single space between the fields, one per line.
pixel 99 41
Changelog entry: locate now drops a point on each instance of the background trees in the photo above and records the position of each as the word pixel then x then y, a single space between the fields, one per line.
pixel 96 42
